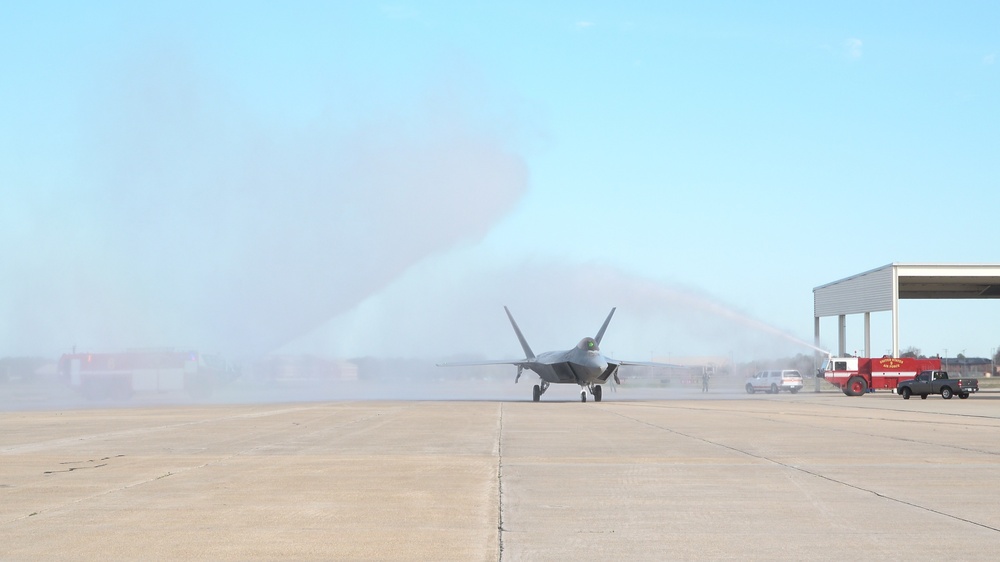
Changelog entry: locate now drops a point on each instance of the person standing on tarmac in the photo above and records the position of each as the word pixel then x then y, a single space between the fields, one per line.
pixel 704 380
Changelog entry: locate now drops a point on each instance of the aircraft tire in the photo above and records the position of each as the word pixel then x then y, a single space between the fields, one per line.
pixel 536 393
pixel 583 396
pixel 597 393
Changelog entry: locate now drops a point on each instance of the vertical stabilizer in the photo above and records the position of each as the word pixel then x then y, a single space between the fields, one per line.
pixel 600 333
pixel 520 337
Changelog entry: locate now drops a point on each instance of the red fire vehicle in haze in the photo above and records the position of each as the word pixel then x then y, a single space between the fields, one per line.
pixel 120 375
pixel 856 375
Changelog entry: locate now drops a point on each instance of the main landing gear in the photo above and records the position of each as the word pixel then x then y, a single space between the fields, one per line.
pixel 537 391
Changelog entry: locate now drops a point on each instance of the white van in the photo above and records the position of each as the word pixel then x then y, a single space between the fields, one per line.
pixel 774 382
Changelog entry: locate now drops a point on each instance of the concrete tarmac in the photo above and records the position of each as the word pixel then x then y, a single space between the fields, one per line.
pixel 640 476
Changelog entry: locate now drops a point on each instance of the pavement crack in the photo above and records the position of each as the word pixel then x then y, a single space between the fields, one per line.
pixel 500 529
pixel 74 468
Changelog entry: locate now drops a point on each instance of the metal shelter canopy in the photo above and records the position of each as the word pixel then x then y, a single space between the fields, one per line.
pixel 881 289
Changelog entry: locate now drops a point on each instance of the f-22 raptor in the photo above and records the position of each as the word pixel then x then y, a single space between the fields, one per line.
pixel 583 364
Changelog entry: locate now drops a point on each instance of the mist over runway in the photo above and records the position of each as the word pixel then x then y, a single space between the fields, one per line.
pixel 490 479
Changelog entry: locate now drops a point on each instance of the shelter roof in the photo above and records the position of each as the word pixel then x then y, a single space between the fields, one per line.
pixel 938 280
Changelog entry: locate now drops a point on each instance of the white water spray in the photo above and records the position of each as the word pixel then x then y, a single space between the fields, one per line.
pixel 755 324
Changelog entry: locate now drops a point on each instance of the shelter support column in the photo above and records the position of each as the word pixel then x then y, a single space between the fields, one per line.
pixel 842 335
pixel 895 312
pixel 868 334
pixel 817 355
pixel 816 334
pixel 895 333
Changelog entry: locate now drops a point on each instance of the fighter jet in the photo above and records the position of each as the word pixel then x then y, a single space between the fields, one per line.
pixel 583 365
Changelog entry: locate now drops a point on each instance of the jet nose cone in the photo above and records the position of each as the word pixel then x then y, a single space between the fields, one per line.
pixel 597 360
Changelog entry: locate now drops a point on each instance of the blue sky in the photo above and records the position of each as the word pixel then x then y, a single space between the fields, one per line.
pixel 320 176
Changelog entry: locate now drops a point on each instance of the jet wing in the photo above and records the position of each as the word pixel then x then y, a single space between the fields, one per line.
pixel 518 362
pixel 645 364
pixel 613 364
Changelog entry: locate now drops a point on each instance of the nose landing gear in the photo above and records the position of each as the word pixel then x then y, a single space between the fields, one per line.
pixel 595 391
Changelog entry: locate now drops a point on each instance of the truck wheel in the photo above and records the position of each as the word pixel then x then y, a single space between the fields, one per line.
pixel 775 389
pixel 94 391
pixel 200 390
pixel 857 386
pixel 946 393
pixel 963 395
pixel 120 391
pixel 750 388
pixel 905 393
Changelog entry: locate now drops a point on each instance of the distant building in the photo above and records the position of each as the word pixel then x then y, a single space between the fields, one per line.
pixel 968 366
pixel 304 367
pixel 688 370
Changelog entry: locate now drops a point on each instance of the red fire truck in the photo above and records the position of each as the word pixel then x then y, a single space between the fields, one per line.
pixel 120 375
pixel 856 375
